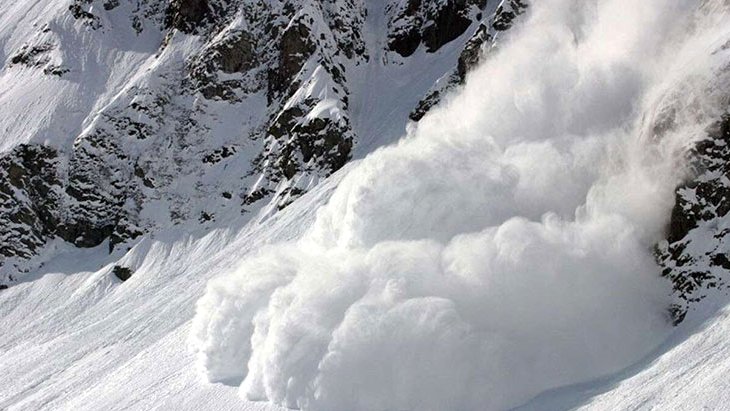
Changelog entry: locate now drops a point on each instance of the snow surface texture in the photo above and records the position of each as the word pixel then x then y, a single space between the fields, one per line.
pixel 151 127
pixel 504 246
pixel 77 338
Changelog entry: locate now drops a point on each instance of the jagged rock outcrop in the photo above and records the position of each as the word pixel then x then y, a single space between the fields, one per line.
pixel 149 14
pixel 42 197
pixel 243 105
pixel 79 9
pixel 479 45
pixel 695 257
pixel 468 58
pixel 97 188
pixel 506 12
pixel 122 273
pixel 30 198
pixel 41 52
pixel 187 15
pixel 432 24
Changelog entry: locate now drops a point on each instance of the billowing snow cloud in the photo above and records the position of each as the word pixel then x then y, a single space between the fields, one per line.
pixel 504 246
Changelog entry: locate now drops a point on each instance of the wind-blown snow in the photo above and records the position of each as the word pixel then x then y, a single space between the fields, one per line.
pixel 504 246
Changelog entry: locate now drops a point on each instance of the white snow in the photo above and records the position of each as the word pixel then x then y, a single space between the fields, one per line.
pixel 42 108
pixel 76 338
pixel 501 250
pixel 689 371
pixel 503 247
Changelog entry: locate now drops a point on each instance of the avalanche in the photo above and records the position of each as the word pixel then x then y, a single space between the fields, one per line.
pixel 499 256
pixel 504 246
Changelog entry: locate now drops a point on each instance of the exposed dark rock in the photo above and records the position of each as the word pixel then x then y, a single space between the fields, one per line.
pixel 206 216
pixel 140 173
pixel 432 24
pixel 122 273
pixel 56 70
pixel 186 15
pixel 432 99
pixel 677 313
pixel 406 43
pixel 295 47
pixel 709 158
pixel 98 179
pixel 507 12
pixel 282 54
pixel 84 208
pixel 721 260
pixel 30 196
pixel 255 196
pixel 323 140
pixel 111 4
pixel 471 55
pixel 32 55
pixel 701 208
pixel 235 54
pixel 406 40
pixel 39 56
pixel 476 47
pixel 131 127
pixel 288 196
pixel 449 23
pixel 299 145
pixel 468 59
pixel 219 154
pixel 79 12
pixel 346 18
pixel 124 230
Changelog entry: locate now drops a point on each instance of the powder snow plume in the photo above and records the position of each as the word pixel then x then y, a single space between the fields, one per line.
pixel 504 246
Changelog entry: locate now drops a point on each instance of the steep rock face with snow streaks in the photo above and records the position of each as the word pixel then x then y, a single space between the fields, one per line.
pixel 228 107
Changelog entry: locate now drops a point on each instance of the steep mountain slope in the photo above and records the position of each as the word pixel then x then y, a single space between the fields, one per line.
pixel 507 240
pixel 143 115
pixel 203 204
pixel 687 372
pixel 76 337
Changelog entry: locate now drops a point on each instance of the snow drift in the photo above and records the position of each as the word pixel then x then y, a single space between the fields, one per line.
pixel 504 246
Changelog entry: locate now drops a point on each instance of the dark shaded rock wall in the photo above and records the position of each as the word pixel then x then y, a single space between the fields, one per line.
pixel 695 257
pixel 430 23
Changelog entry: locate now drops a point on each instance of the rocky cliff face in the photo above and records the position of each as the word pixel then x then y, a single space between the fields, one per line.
pixel 480 44
pixel 240 107
pixel 432 24
pixel 695 256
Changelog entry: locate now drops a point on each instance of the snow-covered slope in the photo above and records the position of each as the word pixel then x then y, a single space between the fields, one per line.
pixel 486 258
pixel 202 205
pixel 141 115
pixel 687 372
pixel 76 337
